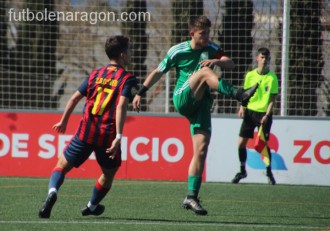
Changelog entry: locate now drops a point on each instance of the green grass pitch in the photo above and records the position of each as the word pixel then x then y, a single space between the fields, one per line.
pixel 156 205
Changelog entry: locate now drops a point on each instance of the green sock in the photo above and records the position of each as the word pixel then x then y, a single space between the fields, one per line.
pixel 194 184
pixel 226 88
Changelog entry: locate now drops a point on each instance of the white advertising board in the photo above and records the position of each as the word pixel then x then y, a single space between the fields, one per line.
pixel 300 152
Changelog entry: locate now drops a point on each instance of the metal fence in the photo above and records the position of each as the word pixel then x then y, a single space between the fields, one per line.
pixel 48 47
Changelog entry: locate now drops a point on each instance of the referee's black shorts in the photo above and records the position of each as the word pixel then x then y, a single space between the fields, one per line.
pixel 252 120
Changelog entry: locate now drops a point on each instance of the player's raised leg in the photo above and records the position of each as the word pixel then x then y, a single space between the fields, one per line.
pixel 206 76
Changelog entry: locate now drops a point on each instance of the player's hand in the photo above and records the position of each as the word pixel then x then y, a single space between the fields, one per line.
pixel 112 151
pixel 59 127
pixel 209 62
pixel 264 119
pixel 241 112
pixel 136 103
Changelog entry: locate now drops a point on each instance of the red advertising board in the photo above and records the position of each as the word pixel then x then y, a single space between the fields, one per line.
pixel 153 148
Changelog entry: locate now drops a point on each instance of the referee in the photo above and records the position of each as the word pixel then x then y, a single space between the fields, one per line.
pixel 258 111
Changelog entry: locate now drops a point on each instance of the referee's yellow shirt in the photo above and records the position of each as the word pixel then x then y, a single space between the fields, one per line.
pixel 268 85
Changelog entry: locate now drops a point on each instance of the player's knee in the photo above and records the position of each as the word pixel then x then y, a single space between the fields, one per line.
pixel 64 164
pixel 108 174
pixel 202 152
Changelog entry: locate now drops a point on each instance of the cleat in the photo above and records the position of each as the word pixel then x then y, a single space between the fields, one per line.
pixel 244 95
pixel 239 176
pixel 96 212
pixel 271 179
pixel 192 203
pixel 46 208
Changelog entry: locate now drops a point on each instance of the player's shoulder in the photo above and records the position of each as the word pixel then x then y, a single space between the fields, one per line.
pixel 273 74
pixel 128 74
pixel 102 68
pixel 252 71
pixel 131 76
pixel 178 48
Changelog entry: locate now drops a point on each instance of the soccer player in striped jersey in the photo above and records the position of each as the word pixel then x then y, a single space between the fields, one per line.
pixel 195 79
pixel 108 90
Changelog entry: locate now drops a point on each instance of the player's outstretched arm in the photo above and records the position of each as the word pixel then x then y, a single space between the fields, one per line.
pixel 60 127
pixel 152 78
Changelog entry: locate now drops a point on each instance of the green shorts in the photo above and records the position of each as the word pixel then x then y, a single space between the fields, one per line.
pixel 197 112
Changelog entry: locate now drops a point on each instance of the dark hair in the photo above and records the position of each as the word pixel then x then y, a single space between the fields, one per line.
pixel 116 45
pixel 199 22
pixel 264 51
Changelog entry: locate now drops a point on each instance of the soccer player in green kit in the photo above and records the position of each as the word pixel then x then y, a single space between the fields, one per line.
pixel 195 80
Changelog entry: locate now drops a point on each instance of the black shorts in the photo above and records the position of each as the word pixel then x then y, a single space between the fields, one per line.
pixel 252 120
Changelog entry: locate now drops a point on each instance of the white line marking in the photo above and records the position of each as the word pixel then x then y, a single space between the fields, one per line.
pixel 173 223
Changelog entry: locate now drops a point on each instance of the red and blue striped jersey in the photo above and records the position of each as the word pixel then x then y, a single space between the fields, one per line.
pixel 103 89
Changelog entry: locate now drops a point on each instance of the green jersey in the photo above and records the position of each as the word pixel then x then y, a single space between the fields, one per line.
pixel 186 60
pixel 268 85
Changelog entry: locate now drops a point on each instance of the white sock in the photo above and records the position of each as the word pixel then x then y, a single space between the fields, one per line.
pixel 52 190
pixel 90 206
